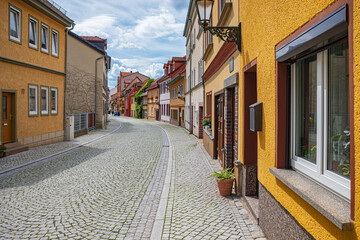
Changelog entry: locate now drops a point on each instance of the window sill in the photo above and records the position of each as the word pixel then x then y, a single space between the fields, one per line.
pixel 209 134
pixel 331 206
pixel 225 12
pixel 207 51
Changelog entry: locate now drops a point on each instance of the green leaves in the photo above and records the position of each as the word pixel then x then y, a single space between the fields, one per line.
pixel 223 174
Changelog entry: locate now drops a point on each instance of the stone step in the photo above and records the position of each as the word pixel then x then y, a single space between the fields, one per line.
pixel 13 148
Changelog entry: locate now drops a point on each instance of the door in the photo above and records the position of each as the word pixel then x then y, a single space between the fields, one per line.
pixel 7 117
pixel 220 128
pixel 179 116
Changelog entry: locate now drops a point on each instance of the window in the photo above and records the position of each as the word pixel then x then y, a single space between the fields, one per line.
pixel 55 44
pixel 54 101
pixel 208 36
pixel 44 38
pixel 44 100
pixel 15 24
pixel 152 111
pixel 201 70
pixel 208 103
pixel 320 137
pixel 33 100
pixel 33 32
pixel 174 114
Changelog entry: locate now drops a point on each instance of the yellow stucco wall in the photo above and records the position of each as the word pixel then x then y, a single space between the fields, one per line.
pixel 265 24
pixel 216 82
pixel 22 52
pixel 17 78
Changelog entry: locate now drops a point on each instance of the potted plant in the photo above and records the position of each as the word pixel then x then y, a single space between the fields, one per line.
pixel 225 179
pixel 2 149
pixel 207 121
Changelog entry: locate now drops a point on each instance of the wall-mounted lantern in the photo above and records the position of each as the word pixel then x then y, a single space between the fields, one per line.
pixel 227 34
pixel 256 117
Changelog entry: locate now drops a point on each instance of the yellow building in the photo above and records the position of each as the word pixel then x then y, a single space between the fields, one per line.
pixel 295 152
pixel 32 66
pixel 222 66
pixel 177 86
pixel 301 59
pixel 153 101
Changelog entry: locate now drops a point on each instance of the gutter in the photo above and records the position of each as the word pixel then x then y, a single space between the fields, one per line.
pixel 66 76
pixel 96 61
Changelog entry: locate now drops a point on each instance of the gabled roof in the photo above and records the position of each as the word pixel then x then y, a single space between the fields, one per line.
pixel 123 74
pixel 179 59
pixel 153 85
pixel 94 39
pixel 83 40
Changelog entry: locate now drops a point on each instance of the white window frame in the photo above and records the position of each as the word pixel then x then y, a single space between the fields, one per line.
pixel 34 113
pixel 317 171
pixel 36 32
pixel 56 33
pixel 46 111
pixel 18 15
pixel 54 112
pixel 45 50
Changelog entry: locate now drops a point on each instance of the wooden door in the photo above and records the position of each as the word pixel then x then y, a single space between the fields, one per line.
pixel 7 117
pixel 220 128
pixel 179 116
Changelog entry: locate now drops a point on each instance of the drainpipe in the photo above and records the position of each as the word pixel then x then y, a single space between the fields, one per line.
pixel 66 76
pixel 190 56
pixel 96 61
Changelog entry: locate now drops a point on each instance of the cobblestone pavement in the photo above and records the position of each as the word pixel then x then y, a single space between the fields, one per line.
pixel 33 154
pixel 114 187
pixel 195 210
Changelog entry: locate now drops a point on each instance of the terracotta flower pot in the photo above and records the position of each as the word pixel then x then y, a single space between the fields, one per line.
pixel 225 186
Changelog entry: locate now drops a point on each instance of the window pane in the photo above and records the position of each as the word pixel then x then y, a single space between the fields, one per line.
pixel 54 43
pixel 306 85
pixel 43 38
pixel 43 100
pixel 53 100
pixel 32 99
pixel 32 32
pixel 338 159
pixel 4 104
pixel 14 24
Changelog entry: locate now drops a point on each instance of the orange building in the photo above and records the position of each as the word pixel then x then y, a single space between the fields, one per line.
pixel 177 96
pixel 153 101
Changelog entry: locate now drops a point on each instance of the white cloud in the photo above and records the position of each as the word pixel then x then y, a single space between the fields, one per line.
pixel 96 26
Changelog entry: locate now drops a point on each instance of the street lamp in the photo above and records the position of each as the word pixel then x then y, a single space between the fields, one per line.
pixel 227 34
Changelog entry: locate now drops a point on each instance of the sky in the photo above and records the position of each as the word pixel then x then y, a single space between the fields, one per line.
pixel 141 35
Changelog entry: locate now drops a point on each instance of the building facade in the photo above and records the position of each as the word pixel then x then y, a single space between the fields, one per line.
pixel 222 66
pixel 32 66
pixel 176 86
pixel 194 92
pixel 153 111
pixel 87 85
pixel 304 72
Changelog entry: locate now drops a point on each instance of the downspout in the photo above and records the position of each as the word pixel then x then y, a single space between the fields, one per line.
pixel 96 86
pixel 66 76
pixel 190 56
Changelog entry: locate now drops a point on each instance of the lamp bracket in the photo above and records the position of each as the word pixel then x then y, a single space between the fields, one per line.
pixel 227 34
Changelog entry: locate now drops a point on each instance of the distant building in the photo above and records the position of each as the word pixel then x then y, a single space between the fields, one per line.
pixel 177 96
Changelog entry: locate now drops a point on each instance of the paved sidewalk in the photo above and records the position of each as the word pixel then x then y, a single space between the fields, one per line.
pixel 36 153
pixel 195 210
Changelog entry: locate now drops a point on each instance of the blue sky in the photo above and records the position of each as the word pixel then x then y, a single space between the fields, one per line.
pixel 142 34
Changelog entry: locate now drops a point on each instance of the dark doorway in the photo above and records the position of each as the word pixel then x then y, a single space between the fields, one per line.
pixel 250 138
pixel 219 128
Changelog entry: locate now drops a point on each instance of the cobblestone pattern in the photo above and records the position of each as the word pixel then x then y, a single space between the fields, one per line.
pixel 195 209
pixel 47 150
pixel 95 192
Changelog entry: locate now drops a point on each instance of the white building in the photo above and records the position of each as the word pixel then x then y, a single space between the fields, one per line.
pixel 194 94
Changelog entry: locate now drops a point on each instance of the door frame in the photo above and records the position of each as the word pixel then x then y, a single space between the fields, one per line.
pixel 13 111
pixel 218 94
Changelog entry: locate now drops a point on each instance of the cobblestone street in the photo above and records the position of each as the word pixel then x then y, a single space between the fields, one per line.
pixel 136 180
